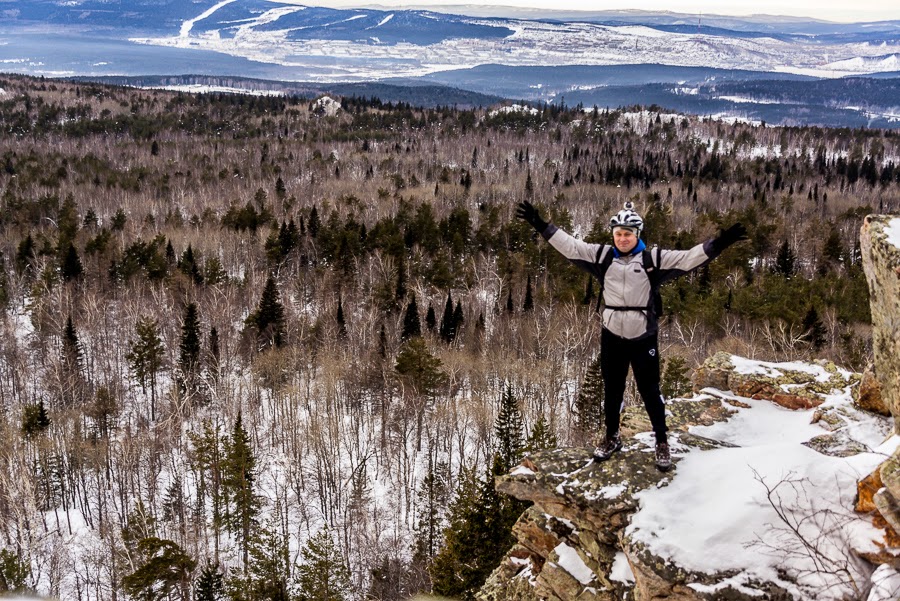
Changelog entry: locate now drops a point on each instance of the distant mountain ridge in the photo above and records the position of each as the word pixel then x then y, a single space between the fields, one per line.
pixel 607 58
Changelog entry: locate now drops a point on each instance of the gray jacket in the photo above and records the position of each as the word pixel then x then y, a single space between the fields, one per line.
pixel 626 283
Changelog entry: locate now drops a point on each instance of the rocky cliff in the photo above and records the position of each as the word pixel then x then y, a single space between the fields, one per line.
pixel 760 504
pixel 879 241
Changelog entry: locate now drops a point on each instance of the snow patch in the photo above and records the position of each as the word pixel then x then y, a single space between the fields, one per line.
pixel 621 570
pixel 570 561
pixel 893 232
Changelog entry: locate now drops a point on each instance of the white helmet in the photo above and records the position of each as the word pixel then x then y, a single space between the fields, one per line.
pixel 627 218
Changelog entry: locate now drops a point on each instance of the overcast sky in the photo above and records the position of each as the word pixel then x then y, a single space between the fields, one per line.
pixel 843 10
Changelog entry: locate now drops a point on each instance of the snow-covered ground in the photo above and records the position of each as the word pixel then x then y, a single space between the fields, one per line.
pixel 734 508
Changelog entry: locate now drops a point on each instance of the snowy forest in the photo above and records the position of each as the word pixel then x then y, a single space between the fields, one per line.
pixel 255 350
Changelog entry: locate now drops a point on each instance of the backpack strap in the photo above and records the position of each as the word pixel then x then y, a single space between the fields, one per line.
pixel 602 266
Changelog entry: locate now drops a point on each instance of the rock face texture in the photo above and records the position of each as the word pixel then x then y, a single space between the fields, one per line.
pixel 577 540
pixel 572 543
pixel 881 262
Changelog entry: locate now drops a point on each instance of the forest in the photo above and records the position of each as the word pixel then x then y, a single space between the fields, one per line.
pixel 252 350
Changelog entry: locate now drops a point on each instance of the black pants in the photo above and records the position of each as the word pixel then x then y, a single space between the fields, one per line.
pixel 616 354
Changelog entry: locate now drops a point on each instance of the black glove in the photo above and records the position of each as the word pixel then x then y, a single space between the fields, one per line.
pixel 735 233
pixel 530 214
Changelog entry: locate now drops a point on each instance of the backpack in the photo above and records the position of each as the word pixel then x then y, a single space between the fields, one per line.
pixel 654 305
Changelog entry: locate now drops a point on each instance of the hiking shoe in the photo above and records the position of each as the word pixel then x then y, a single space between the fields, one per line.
pixel 663 457
pixel 609 446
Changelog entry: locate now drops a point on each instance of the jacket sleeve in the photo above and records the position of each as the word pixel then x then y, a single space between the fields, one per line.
pixel 675 263
pixel 584 255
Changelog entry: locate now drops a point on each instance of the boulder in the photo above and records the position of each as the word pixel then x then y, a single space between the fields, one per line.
pixel 870 397
pixel 791 385
pixel 879 240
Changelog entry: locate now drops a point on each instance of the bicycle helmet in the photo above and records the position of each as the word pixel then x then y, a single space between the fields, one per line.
pixel 627 218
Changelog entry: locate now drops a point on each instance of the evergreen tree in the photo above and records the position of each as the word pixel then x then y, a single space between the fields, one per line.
pixel 675 380
pixel 188 265
pixel 429 512
pixel 34 419
pixel 25 254
pixel 382 342
pixel 268 574
pixel 14 572
pixel 189 347
pixel 508 432
pixel 478 536
pixel 146 357
pixel 322 574
pixel 239 480
pixel 210 584
pixel 785 261
pixel 420 368
pixel 71 348
pixel 341 323
pixel 400 286
pixel 430 318
pixel 814 329
pixel 589 402
pixel 411 325
pixel 164 569
pixel 528 305
pixel 509 302
pixel 448 331
pixel 71 267
pixel 268 319
pixel 541 437
pixel 458 319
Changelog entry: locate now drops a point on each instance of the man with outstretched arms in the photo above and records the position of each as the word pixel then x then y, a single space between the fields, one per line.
pixel 630 275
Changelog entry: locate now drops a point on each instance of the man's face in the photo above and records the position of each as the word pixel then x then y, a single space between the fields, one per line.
pixel 625 239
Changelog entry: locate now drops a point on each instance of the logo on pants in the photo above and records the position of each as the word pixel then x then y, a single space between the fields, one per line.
pixel 653 352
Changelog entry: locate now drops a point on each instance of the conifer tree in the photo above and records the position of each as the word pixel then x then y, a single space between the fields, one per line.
pixel 15 571
pixel 428 527
pixel 239 481
pixel 458 319
pixel 589 403
pixel 528 305
pixel 268 319
pixel 268 575
pixel 589 292
pixel 25 254
pixel 411 324
pixel 188 265
pixel 189 347
pixel 675 380
pixel 34 419
pixel 71 348
pixel 71 268
pixel 341 323
pixel 400 286
pixel 785 260
pixel 430 318
pixel 210 584
pixel 509 302
pixel 164 569
pixel 420 368
pixel 448 331
pixel 541 437
pixel 814 329
pixel 322 574
pixel 508 432
pixel 146 357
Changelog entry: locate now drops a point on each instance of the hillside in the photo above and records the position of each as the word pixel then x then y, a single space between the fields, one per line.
pixel 251 341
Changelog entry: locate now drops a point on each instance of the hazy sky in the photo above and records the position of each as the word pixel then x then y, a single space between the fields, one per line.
pixel 844 10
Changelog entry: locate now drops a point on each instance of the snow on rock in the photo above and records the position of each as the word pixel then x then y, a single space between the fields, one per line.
pixel 513 108
pixel 621 570
pixel 326 106
pixel 885 584
pixel 570 561
pixel 749 493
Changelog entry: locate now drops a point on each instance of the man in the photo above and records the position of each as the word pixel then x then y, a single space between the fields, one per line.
pixel 630 276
